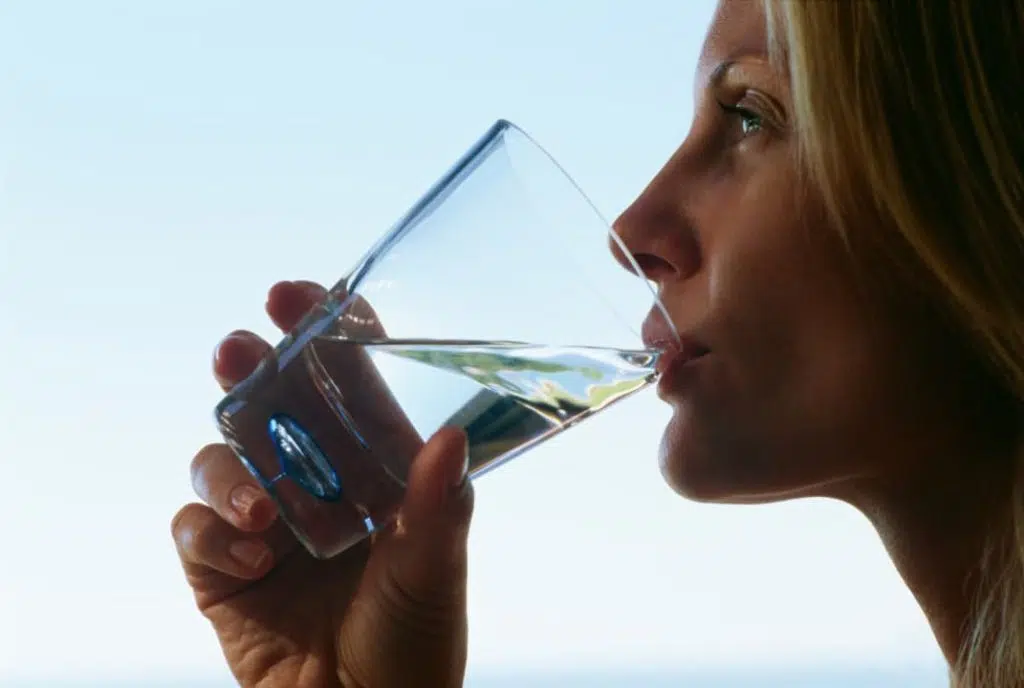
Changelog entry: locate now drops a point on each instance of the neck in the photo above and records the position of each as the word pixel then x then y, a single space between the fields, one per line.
pixel 938 528
pixel 937 548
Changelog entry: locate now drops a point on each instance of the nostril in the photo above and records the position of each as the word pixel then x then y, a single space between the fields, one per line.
pixel 653 267
pixel 656 238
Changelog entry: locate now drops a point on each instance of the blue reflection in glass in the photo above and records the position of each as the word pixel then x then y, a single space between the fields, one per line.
pixel 302 460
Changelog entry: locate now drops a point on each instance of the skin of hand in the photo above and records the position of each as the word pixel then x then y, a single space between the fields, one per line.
pixel 390 611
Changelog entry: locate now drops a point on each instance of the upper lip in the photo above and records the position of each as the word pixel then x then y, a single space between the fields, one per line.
pixel 658 334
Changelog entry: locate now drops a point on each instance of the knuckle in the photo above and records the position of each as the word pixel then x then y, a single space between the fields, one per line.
pixel 198 532
pixel 184 522
pixel 420 613
pixel 203 457
pixel 204 546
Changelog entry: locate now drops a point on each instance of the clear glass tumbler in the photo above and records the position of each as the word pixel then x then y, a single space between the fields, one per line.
pixel 501 303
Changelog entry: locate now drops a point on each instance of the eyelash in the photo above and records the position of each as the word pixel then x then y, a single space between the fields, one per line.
pixel 747 118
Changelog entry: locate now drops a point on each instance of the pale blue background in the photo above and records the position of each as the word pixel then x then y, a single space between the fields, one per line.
pixel 161 163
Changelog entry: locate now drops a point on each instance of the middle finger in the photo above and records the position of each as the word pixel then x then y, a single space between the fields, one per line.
pixel 240 352
pixel 221 481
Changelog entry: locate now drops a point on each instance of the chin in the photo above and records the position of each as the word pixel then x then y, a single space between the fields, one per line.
pixel 703 470
pixel 688 466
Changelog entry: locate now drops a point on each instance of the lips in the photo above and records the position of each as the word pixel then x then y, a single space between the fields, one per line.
pixel 658 334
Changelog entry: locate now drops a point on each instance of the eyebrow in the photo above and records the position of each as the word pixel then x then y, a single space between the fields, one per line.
pixel 722 70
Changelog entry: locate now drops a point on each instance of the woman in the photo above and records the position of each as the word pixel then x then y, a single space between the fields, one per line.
pixel 842 232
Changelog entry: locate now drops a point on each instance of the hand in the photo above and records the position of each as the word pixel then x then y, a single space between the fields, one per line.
pixel 388 612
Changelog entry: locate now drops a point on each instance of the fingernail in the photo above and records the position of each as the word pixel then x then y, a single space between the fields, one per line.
pixel 219 349
pixel 244 499
pixel 460 479
pixel 313 290
pixel 249 553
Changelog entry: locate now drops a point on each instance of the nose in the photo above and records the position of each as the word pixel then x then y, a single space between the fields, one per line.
pixel 655 230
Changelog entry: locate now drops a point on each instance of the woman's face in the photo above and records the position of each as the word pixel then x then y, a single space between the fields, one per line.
pixel 806 386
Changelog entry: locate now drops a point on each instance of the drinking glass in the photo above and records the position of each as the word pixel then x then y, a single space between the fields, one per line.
pixel 501 303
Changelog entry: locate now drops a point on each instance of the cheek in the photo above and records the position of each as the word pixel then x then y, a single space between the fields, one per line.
pixel 771 408
pixel 773 415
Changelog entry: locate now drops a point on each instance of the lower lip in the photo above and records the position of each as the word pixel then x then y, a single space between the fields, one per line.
pixel 676 371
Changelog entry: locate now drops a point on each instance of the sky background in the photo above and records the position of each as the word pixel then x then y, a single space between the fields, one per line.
pixel 163 163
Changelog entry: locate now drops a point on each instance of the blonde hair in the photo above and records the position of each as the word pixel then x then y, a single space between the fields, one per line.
pixel 911 110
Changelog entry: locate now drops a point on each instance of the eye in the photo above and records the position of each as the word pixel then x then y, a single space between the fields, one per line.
pixel 750 122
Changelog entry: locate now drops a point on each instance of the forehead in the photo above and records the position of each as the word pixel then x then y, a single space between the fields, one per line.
pixel 738 30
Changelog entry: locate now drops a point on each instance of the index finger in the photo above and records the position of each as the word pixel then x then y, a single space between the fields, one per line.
pixel 236 356
pixel 240 352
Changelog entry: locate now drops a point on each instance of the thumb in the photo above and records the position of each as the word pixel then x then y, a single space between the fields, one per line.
pixel 426 555
pixel 438 495
pixel 407 625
